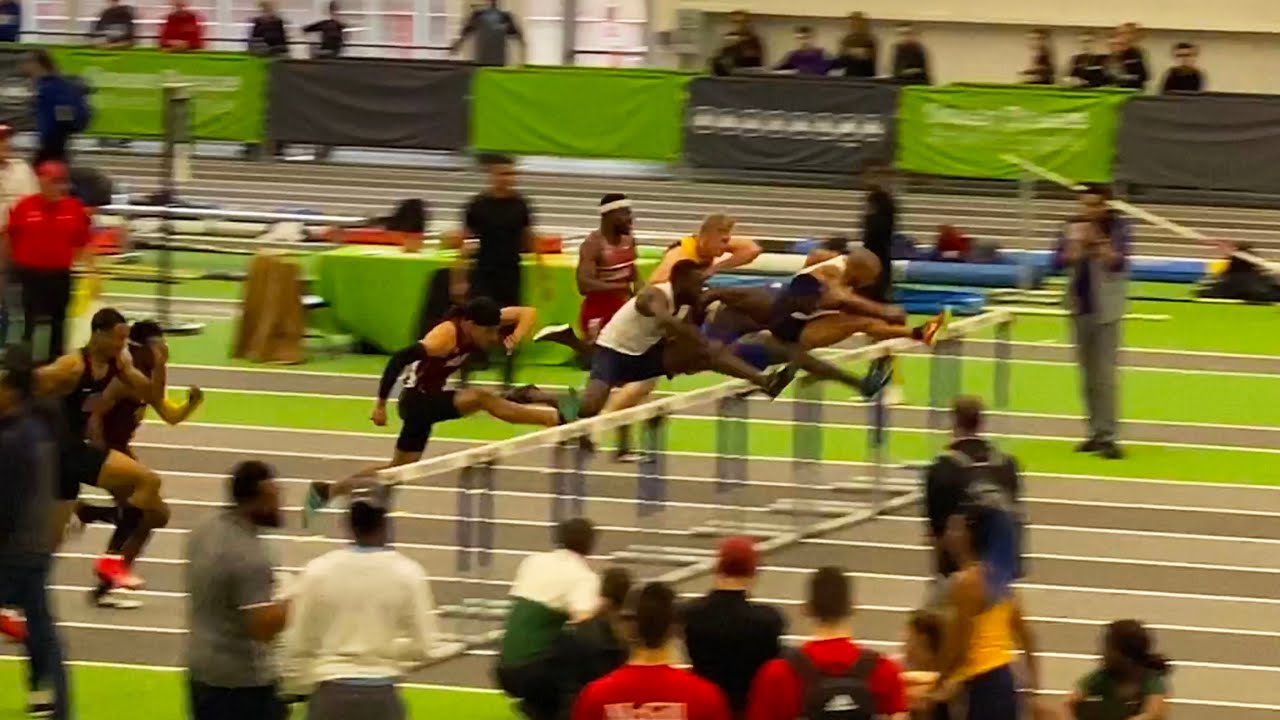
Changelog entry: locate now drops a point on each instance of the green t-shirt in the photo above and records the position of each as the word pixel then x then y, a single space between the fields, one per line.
pixel 1101 697
pixel 531 629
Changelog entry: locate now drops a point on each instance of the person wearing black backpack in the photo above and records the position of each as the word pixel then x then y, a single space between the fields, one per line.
pixel 61 106
pixel 830 677
pixel 971 469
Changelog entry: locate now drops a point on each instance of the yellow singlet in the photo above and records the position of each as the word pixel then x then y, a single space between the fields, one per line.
pixel 991 644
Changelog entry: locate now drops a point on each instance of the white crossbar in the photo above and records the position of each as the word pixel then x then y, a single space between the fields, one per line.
pixel 669 405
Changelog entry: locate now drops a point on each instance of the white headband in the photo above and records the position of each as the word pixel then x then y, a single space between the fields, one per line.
pixel 622 204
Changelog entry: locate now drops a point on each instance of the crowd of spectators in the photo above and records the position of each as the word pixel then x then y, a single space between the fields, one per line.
pixel 592 649
pixel 1123 64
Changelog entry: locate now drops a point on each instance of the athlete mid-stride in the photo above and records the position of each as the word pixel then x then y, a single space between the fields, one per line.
pixel 425 402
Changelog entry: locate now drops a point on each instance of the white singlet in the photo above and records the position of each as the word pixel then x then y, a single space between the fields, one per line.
pixel 839 262
pixel 632 333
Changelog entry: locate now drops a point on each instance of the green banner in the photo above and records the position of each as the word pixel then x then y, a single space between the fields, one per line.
pixel 578 112
pixel 228 100
pixel 964 130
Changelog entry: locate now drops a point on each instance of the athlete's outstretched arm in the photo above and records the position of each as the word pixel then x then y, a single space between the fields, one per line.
pixel 841 298
pixel 523 318
pixel 741 251
pixel 173 413
pixel 440 341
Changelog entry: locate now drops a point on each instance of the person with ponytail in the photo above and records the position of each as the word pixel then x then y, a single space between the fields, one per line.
pixel 1131 682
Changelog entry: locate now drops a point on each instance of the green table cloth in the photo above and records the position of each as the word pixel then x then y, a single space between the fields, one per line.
pixel 376 293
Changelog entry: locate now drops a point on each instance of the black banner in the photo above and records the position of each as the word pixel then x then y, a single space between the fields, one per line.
pixel 789 124
pixel 1206 142
pixel 16 91
pixel 370 103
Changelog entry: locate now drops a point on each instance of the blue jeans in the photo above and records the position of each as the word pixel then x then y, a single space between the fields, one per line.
pixel 26 588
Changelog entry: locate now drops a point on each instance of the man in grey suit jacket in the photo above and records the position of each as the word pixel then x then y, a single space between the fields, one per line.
pixel 1094 252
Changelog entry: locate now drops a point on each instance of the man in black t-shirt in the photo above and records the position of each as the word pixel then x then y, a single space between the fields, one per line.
pixel 966 470
pixel 502 222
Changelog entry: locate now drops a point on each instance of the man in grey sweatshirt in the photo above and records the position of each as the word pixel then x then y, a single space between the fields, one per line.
pixel 28 455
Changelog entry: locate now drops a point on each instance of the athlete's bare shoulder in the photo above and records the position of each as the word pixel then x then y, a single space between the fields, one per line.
pixel 442 339
pixel 60 376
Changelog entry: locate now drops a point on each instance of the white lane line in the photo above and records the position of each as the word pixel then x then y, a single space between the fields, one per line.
pixel 1121 531
pixel 753 458
pixel 759 421
pixel 755 399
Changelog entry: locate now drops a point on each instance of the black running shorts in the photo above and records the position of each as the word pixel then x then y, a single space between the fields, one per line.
pixel 420 411
pixel 81 463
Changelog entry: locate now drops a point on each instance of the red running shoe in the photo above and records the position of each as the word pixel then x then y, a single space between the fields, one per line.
pixel 112 571
pixel 13 626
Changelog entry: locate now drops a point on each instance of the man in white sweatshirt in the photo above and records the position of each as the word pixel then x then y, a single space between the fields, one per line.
pixel 361 618
pixel 16 182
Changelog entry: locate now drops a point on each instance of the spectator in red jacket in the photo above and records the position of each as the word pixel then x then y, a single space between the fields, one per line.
pixel 787 688
pixel 183 29
pixel 649 685
pixel 48 233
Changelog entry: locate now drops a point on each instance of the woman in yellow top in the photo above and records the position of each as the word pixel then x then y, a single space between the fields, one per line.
pixel 987 627
pixel 713 247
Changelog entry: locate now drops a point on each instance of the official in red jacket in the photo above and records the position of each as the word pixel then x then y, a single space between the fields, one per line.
pixel 48 233
pixel 183 29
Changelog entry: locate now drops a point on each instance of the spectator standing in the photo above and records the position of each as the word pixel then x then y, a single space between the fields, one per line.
pixel 831 669
pixel 879 224
pixel 596 647
pixel 550 590
pixel 114 28
pixel 986 630
pixel 16 182
pixel 1131 681
pixel 48 234
pixel 268 35
pixel 332 32
pixel 232 613
pixel 1128 62
pixel 183 29
pixel 858 49
pixel 28 455
pixel 728 58
pixel 10 21
pixel 1093 251
pixel 1040 70
pixel 649 685
pixel 1184 76
pixel 750 53
pixel 61 108
pixel 971 469
pixel 1088 67
pixel 910 58
pixel 360 618
pixel 807 58
pixel 492 27
pixel 729 637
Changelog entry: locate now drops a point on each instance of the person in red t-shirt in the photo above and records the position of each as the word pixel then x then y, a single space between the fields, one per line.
pixel 648 687
pixel 183 29
pixel 778 692
pixel 48 233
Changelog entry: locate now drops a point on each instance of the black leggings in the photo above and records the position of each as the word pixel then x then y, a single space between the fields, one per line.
pixel 45 297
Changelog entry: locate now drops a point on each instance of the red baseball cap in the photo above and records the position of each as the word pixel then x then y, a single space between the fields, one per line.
pixel 738 558
pixel 52 170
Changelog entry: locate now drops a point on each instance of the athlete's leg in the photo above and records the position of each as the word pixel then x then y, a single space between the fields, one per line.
pixel 628 396
pixel 594 397
pixel 472 400
pixel 868 386
pixel 687 356
pixel 831 330
pixel 139 487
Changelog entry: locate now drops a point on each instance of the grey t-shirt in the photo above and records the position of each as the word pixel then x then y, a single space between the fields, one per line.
pixel 229 571
pixel 490 28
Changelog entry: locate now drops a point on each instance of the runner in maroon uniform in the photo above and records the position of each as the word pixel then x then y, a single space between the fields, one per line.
pixel 112 424
pixel 607 277
pixel 425 401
